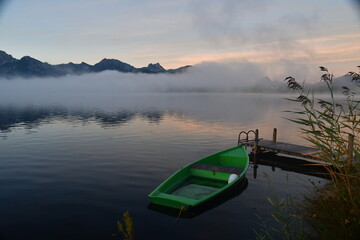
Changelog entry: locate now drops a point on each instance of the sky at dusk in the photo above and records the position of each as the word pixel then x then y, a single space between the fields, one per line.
pixel 177 33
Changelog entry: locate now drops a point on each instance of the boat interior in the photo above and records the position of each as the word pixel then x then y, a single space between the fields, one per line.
pixel 209 175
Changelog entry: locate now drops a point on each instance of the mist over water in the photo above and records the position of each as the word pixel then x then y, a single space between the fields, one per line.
pixel 111 85
pixel 108 87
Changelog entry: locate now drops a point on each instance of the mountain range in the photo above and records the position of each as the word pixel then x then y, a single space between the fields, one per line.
pixel 28 67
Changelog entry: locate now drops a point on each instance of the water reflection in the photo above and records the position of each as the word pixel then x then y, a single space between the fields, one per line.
pixel 290 164
pixel 31 117
pixel 233 111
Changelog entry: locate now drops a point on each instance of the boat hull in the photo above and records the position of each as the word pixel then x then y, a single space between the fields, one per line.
pixel 214 202
pixel 202 180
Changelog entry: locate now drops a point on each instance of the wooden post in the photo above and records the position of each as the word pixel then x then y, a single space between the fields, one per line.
pixel 256 141
pixel 255 171
pixel 351 146
pixel 274 135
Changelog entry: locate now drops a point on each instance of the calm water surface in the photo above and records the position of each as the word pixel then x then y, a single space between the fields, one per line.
pixel 69 171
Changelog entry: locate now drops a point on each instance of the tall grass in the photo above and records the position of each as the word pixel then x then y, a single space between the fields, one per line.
pixel 333 126
pixel 125 227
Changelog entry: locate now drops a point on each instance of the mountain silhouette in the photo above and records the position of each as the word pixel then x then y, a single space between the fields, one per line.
pixel 28 67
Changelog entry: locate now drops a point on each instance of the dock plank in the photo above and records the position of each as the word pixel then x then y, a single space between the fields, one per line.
pixel 287 148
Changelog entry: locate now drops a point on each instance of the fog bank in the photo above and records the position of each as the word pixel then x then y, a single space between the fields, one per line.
pixel 231 76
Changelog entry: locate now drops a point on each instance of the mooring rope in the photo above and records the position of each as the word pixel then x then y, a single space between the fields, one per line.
pixel 181 209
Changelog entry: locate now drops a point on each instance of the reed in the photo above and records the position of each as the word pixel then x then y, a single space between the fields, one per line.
pixel 125 227
pixel 332 126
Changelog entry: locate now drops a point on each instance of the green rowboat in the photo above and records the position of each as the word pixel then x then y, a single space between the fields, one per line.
pixel 202 180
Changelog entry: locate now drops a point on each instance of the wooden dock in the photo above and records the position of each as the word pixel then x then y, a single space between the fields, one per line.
pixel 260 145
pixel 285 148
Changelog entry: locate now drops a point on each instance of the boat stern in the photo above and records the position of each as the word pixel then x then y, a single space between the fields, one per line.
pixel 173 201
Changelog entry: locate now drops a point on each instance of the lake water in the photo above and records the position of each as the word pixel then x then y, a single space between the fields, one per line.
pixel 69 171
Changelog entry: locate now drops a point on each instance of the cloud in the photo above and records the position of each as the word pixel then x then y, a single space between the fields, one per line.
pixel 243 22
pixel 274 27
